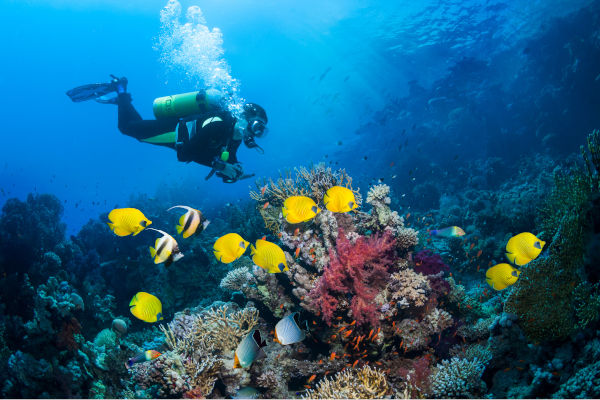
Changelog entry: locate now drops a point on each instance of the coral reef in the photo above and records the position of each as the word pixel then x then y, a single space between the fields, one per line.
pixel 364 383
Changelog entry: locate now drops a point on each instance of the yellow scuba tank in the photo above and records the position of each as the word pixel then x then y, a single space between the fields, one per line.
pixel 179 105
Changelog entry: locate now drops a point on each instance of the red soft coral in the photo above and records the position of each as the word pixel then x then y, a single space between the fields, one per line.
pixel 359 270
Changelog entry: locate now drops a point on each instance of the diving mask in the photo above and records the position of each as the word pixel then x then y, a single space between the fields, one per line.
pixel 257 127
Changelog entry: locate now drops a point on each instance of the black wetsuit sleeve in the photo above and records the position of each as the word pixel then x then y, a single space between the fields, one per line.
pixel 233 147
pixel 132 124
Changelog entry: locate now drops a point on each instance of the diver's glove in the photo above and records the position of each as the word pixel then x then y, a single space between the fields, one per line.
pixel 226 171
pixel 230 172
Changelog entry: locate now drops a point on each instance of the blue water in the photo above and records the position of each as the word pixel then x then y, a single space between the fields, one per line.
pixel 321 71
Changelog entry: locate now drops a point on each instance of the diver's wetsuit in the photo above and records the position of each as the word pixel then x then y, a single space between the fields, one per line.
pixel 200 138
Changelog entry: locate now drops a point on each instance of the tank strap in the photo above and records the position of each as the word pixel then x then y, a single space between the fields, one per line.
pixel 168 137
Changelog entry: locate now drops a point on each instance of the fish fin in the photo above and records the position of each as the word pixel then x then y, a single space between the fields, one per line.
pixel 111 226
pixel 152 252
pixel 205 224
pixel 179 229
pixel 184 207
pixel 236 361
pixel 252 250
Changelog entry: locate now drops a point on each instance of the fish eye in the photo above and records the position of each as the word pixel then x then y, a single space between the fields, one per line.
pixel 143 223
pixel 281 267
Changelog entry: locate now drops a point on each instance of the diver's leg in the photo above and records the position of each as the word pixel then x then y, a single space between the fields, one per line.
pixel 131 123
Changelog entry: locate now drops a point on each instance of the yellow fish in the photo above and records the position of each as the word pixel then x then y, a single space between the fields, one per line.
pixel 339 199
pixel 501 276
pixel 298 209
pixel 127 221
pixel 146 307
pixel 229 248
pixel 191 222
pixel 523 248
pixel 165 249
pixel 268 256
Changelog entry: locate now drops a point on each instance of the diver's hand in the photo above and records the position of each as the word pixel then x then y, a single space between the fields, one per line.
pixel 230 172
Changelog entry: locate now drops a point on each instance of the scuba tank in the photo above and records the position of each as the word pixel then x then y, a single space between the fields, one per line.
pixel 179 105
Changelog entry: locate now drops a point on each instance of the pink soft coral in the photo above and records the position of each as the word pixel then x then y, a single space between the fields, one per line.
pixel 359 270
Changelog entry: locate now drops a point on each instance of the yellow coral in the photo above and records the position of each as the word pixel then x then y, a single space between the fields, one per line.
pixel 364 383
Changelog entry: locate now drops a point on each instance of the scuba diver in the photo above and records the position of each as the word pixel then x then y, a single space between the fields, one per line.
pixel 196 125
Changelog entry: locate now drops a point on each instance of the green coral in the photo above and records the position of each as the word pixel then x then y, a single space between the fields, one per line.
pixel 587 303
pixel 545 299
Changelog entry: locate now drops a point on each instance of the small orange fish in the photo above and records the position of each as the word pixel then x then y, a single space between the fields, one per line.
pixel 297 253
pixel 281 307
pixel 332 356
pixel 279 235
pixel 265 205
pixel 333 336
pixel 479 253
pixel 348 333
pixel 264 237
pixel 343 328
pixel 297 231
pixel 320 362
pixel 327 373
pixel 471 246
pixel 353 322
pixel 312 378
pixel 478 267
pixel 312 250
pixel 338 318
pixel 354 363
pixel 370 334
pixel 308 386
pixel 263 189
pixel 408 215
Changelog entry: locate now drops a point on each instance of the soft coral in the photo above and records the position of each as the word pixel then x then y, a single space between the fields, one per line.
pixel 359 270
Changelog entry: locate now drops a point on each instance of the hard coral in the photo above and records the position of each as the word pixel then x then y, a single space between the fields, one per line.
pixel 458 378
pixel 364 383
pixel 359 270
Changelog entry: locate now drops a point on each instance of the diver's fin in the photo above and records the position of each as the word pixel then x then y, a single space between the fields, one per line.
pixel 94 91
pixel 91 91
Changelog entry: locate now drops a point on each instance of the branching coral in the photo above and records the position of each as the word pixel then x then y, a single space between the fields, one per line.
pixel 302 182
pixel 408 288
pixel 219 329
pixel 364 383
pixel 458 378
pixel 359 270
pixel 236 279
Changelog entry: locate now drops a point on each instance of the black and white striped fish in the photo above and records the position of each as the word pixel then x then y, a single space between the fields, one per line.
pixel 191 222
pixel 165 249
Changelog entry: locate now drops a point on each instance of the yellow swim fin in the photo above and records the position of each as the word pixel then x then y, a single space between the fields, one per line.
pixel 179 229
pixel 152 251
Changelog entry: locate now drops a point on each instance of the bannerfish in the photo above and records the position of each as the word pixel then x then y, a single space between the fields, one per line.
pixel 339 199
pixel 229 248
pixel 451 231
pixel 146 307
pixel 268 256
pixel 147 355
pixel 165 249
pixel 288 331
pixel 191 222
pixel 249 350
pixel 127 221
pixel 501 276
pixel 523 248
pixel 297 209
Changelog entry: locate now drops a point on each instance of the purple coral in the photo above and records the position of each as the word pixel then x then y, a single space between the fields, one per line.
pixel 429 263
